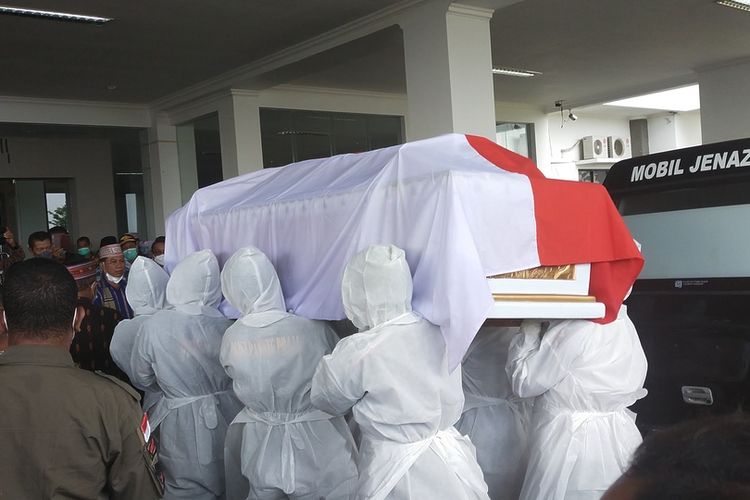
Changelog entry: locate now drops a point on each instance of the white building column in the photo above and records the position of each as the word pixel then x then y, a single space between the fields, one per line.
pixel 725 107
pixel 188 160
pixel 239 128
pixel 448 70
pixel 161 173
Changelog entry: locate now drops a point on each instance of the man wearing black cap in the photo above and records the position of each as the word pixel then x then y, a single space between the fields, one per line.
pixel 64 432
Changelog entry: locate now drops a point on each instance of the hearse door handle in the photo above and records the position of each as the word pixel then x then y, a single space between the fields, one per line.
pixel 694 395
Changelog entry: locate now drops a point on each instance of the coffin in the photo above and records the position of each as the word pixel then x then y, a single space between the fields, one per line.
pixel 461 207
pixel 546 292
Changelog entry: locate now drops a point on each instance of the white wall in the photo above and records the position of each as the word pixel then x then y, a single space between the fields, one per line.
pixel 668 131
pixel 562 138
pixel 87 162
pixel 725 107
pixel 338 100
pixel 662 132
pixel 688 129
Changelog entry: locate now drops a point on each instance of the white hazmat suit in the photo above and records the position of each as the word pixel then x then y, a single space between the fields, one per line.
pixel 495 419
pixel 282 445
pixel 178 350
pixel 394 376
pixel 585 376
pixel 146 294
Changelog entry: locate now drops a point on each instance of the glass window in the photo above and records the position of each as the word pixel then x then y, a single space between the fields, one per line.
pixel 518 137
pixel 294 135
pixel 130 203
pixel 57 210
pixel 592 175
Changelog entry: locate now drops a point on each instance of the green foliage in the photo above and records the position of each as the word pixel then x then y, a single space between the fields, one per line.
pixel 58 217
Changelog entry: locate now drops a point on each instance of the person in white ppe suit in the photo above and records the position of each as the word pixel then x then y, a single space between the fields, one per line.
pixel 584 375
pixel 394 377
pixel 279 446
pixel 146 294
pixel 177 351
pixel 494 418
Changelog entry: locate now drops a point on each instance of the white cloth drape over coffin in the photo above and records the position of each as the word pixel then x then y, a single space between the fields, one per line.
pixel 450 209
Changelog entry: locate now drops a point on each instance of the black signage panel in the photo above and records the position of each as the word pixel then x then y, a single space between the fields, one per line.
pixel 711 161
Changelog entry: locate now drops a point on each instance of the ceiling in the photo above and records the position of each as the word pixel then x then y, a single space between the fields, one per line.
pixel 153 48
pixel 589 51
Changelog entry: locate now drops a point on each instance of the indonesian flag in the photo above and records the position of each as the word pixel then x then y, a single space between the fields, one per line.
pixel 576 222
pixel 461 207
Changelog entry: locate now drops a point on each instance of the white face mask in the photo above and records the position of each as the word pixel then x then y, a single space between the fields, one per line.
pixel 112 279
pixel 159 259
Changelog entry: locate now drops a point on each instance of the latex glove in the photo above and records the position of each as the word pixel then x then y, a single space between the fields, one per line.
pixel 531 328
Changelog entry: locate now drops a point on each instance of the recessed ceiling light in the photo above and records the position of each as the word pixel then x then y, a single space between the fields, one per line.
pixel 53 15
pixel 523 73
pixel 736 4
pixel 681 99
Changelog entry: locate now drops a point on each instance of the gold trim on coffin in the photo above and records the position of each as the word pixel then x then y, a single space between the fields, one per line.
pixel 566 272
pixel 520 297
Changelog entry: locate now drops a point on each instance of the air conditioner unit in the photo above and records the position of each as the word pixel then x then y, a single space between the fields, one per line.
pixel 594 147
pixel 618 147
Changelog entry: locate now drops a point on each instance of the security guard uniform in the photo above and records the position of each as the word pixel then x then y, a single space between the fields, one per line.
pixel 69 433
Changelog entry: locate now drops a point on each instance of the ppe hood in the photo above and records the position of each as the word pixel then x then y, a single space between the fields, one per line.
pixel 147 287
pixel 194 285
pixel 376 286
pixel 250 283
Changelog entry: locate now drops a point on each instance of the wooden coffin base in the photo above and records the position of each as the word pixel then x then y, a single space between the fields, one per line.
pixel 523 306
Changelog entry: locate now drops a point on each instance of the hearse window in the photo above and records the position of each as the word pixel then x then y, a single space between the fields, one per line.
pixel 684 198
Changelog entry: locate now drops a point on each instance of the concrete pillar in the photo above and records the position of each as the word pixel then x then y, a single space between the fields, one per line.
pixel 239 128
pixel 187 159
pixel 448 70
pixel 161 173
pixel 725 107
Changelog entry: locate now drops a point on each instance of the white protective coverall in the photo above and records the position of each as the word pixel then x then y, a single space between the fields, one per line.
pixel 179 351
pixel 394 376
pixel 282 445
pixel 495 419
pixel 585 376
pixel 146 294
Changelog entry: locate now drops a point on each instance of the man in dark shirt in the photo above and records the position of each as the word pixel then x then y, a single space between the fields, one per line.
pixel 90 347
pixel 64 432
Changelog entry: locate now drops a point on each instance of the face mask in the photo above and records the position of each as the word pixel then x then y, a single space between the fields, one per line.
pixel 112 279
pixel 47 254
pixel 159 259
pixel 84 251
pixel 130 254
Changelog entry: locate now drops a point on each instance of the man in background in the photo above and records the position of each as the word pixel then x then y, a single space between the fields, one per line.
pixel 110 293
pixel 75 434
pixel 10 251
pixel 40 244
pixel 90 346
pixel 130 252
pixel 83 247
pixel 157 250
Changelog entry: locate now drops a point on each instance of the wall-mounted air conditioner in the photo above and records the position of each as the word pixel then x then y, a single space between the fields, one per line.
pixel 594 147
pixel 618 147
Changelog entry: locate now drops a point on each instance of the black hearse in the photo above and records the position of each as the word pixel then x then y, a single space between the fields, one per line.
pixel 690 209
